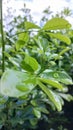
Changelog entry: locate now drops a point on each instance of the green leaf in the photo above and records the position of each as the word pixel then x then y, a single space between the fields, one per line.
pixel 60 37
pixel 19 44
pixel 14 61
pixel 24 36
pixel 29 25
pixel 52 96
pixel 10 80
pixel 26 67
pixel 0 11
pixel 42 43
pixel 43 109
pixel 62 52
pixel 27 85
pixel 22 40
pixel 0 38
pixel 23 88
pixel 3 99
pixel 56 23
pixel 37 113
pixel 31 63
pixel 67 97
pixel 60 76
pixel 33 121
pixel 52 83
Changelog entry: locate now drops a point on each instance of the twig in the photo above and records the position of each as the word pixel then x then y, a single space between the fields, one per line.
pixel 24 32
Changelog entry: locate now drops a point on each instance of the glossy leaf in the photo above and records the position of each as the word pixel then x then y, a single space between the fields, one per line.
pixel 30 25
pixel 61 37
pixel 37 113
pixel 42 43
pixel 52 83
pixel 25 88
pixel 31 63
pixel 43 109
pixel 60 76
pixel 26 66
pixel 67 97
pixel 56 23
pixel 52 96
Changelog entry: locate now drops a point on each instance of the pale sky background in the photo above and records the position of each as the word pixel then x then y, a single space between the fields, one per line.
pixel 37 6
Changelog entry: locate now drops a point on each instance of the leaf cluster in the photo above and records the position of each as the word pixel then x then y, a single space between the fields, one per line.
pixel 34 78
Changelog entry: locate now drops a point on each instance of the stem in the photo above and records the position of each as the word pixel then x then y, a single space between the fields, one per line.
pixel 3 43
pixel 24 32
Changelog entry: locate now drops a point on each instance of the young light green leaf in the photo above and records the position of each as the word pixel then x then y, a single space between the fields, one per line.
pixel 22 40
pixel 22 88
pixel 10 80
pixel 25 87
pixel 56 23
pixel 52 83
pixel 19 44
pixel 61 37
pixel 24 36
pixel 62 52
pixel 29 25
pixel 31 62
pixel 37 113
pixel 52 96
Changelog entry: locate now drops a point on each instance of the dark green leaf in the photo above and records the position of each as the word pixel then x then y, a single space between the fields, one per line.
pixel 33 121
pixel 26 67
pixel 3 99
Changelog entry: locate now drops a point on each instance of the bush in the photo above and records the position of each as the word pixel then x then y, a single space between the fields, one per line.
pixel 34 82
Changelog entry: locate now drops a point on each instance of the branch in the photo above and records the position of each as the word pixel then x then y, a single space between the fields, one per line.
pixel 3 43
